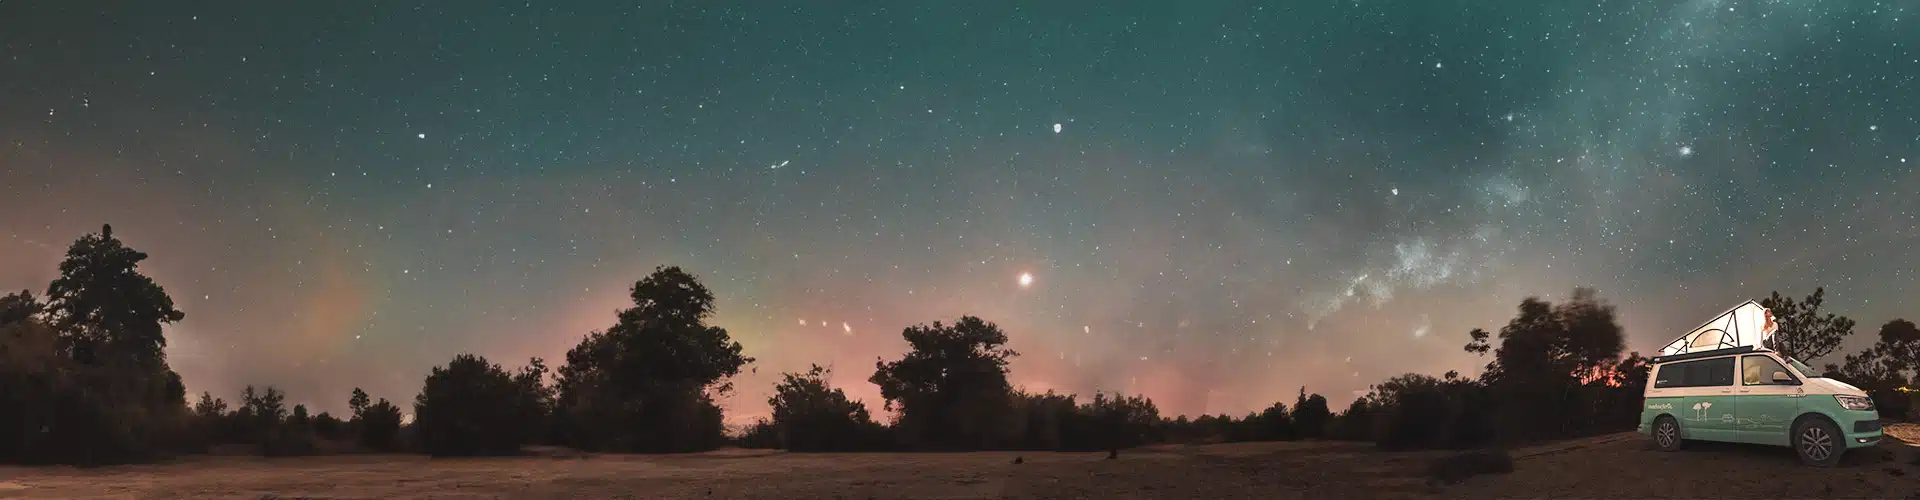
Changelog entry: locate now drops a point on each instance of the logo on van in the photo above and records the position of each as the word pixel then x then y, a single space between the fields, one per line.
pixel 1661 406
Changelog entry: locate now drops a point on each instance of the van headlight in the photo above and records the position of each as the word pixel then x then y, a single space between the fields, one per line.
pixel 1855 403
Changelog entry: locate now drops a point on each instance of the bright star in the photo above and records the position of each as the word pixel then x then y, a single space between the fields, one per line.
pixel 1026 280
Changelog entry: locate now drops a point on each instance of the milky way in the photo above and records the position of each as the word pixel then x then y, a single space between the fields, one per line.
pixel 1212 203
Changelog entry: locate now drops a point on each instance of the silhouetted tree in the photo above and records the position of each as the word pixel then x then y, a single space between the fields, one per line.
pixel 105 309
pixel 536 401
pixel 470 407
pixel 1424 412
pixel 1110 422
pixel 1885 368
pixel 1310 414
pixel 1553 364
pixel 326 426
pixel 1274 423
pixel 17 307
pixel 104 393
pixel 380 426
pixel 1045 421
pixel 1802 333
pixel 647 384
pixel 1900 344
pixel 760 435
pixel 1356 423
pixel 266 408
pixel 359 403
pixel 299 417
pixel 811 415
pixel 951 388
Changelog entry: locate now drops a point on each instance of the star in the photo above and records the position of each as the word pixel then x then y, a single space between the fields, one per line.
pixel 1026 280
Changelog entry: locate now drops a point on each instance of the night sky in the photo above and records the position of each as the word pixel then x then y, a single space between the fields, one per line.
pixel 1217 202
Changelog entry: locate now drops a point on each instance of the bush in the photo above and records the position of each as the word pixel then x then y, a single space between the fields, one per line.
pixel 811 415
pixel 760 435
pixel 379 426
pixel 470 407
pixel 647 383
pixel 325 426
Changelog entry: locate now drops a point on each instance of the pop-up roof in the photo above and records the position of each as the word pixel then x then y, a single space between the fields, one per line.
pixel 1746 325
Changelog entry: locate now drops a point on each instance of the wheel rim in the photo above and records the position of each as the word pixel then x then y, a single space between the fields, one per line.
pixel 1664 434
pixel 1816 443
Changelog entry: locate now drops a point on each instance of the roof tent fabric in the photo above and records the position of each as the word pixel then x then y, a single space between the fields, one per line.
pixel 1746 325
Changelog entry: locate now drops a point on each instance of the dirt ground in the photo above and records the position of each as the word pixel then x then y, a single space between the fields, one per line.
pixel 1614 466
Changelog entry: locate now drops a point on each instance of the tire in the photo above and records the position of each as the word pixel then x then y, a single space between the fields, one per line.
pixel 1819 442
pixel 1666 434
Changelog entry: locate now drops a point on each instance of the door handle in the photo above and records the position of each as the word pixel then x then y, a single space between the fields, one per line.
pixel 1725 391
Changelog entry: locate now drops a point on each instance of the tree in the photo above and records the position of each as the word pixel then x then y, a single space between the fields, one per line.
pixel 1883 370
pixel 1900 344
pixel 1272 424
pixel 1113 422
pixel 327 426
pixel 209 407
pixel 809 414
pixel 358 403
pixel 470 407
pixel 105 309
pixel 951 388
pixel 1802 333
pixel 268 409
pixel 299 418
pixel 648 383
pixel 1556 372
pixel 1310 414
pixel 380 426
pixel 17 307
pixel 88 363
pixel 536 400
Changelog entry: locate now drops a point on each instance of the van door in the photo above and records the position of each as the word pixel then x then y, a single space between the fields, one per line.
pixel 1765 408
pixel 1712 406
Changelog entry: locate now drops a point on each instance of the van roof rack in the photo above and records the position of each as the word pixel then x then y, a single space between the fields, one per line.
pixel 1707 354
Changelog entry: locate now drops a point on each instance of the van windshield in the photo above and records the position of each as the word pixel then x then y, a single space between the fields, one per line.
pixel 1803 368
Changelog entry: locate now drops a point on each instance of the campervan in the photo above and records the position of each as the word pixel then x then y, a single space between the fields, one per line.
pixel 1721 382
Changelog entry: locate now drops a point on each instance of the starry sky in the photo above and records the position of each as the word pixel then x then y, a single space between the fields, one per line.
pixel 1216 202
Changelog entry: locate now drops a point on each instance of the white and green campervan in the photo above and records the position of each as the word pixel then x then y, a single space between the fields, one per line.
pixel 1721 383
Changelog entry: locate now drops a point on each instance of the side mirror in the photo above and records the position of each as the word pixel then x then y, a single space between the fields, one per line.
pixel 1782 377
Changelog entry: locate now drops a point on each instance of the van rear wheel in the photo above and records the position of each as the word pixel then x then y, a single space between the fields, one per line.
pixel 1666 433
pixel 1819 442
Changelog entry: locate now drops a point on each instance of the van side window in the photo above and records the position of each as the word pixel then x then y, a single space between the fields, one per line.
pixel 1671 375
pixel 1717 372
pixel 1759 370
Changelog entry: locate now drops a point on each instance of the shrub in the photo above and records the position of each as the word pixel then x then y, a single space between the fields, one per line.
pixel 470 407
pixel 759 435
pixel 380 426
pixel 810 415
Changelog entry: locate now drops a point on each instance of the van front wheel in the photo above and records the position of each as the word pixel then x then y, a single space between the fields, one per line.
pixel 1666 433
pixel 1818 442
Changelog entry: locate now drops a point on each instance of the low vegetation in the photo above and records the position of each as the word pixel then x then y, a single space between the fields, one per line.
pixel 84 380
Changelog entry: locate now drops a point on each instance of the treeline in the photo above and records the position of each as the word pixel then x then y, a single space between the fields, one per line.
pixel 84 379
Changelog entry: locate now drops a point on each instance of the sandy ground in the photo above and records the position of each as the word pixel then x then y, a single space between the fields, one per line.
pixel 1615 466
